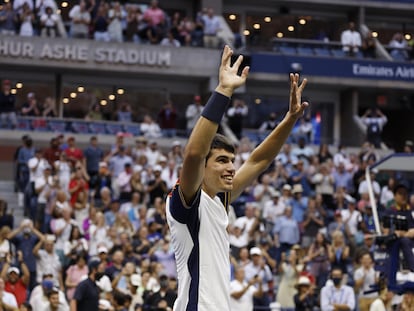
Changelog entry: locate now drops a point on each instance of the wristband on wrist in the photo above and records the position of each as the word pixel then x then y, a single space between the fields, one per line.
pixel 215 107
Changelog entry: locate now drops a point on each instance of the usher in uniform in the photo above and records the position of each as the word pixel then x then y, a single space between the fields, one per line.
pixel 201 246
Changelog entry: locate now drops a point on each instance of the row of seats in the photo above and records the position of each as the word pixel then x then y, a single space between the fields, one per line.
pixel 312 51
pixel 79 127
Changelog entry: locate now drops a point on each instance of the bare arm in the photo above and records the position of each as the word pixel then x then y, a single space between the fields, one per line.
pixel 265 153
pixel 198 145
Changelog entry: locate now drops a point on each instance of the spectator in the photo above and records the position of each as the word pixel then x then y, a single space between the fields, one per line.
pixel 52 154
pixel 27 19
pixel 49 107
pixel 63 170
pixel 235 115
pixel 77 184
pixel 193 113
pixel 30 108
pixel 304 298
pixel 269 124
pixel 351 40
pixel 53 301
pixel 368 46
pixel 49 22
pixel 167 118
pixel 242 292
pixel 75 246
pixel 73 153
pixel 74 274
pixel 7 299
pixel 339 253
pixel 211 29
pixel 133 23
pixel 100 25
pixel 335 295
pixel 95 114
pixel 399 47
pixel 374 121
pixel 117 17
pixel 319 264
pixel 313 222
pixel 7 106
pixel 80 20
pixel 86 296
pixel 149 128
pixel 124 114
pixel 8 19
pixel 169 40
pixel 117 160
pixel 93 155
pixel 16 283
pixel 287 230
pixel 365 278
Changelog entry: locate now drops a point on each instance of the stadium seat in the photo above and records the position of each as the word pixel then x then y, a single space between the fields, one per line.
pixel 133 129
pixel 80 127
pixel 97 128
pixel 40 125
pixel 287 50
pixel 113 128
pixel 322 52
pixel 23 124
pixel 57 126
pixel 305 50
pixel 338 53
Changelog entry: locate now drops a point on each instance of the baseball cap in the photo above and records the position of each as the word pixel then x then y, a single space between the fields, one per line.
pixel 103 164
pixel 303 280
pixel 176 143
pixel 287 187
pixel 255 251
pixel 157 168
pixel 102 249
pixel 13 269
pixel 47 284
pixel 104 304
pixel 297 188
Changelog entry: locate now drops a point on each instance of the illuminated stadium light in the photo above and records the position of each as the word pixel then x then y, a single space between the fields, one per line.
pixel 111 97
pixel 374 34
pixel 257 101
pixel 407 36
pixel 302 21
pixel 267 19
pixel 19 85
pixel 13 91
pixel 291 28
pixel 81 89
pixel 246 32
pixel 232 17
pixel 120 91
pixel 65 100
pixel 256 26
pixel 279 35
pixel 73 95
pixel 104 102
pixel 64 4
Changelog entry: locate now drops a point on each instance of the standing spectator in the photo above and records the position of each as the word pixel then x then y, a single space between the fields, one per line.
pixel 124 184
pixel 155 19
pixel 52 154
pixel 7 299
pixel 124 114
pixel 117 17
pixel 74 274
pixel 49 107
pixel 399 47
pixel 117 160
pixel 269 124
pixel 211 28
pixel 150 128
pixel 63 169
pixel 374 121
pixel 30 108
pixel 167 118
pixel 193 113
pixel 86 296
pixel 80 20
pixel 369 46
pixel 319 265
pixel 16 283
pixel 313 222
pixel 24 154
pixel 77 185
pixel 100 25
pixel 235 115
pixel 27 19
pixel 351 40
pixel 242 292
pixel 73 153
pixel 8 19
pixel 287 230
pixel 365 278
pixel 157 187
pixel 93 155
pixel 335 295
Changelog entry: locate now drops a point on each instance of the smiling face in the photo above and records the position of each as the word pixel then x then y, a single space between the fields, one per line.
pixel 219 172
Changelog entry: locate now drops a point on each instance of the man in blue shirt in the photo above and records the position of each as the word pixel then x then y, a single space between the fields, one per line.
pixel 93 154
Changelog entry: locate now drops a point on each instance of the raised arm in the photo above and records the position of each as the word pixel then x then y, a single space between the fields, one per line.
pixel 265 153
pixel 198 145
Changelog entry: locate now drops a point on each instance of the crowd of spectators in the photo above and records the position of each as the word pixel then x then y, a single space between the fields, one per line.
pixel 95 214
pixel 111 21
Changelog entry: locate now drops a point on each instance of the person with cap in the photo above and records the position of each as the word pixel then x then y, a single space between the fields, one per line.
pixel 408 146
pixel 197 207
pixel 193 113
pixel 258 267
pixel 300 175
pixel 7 105
pixel 15 282
pixel 134 284
pixel 38 296
pixel 30 108
pixel 242 291
pixel 304 298
pixel 7 300
pixel 86 296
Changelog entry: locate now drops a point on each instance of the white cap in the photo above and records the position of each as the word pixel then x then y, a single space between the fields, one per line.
pixel 303 280
pixel 255 251
pixel 135 279
pixel 102 249
pixel 287 187
pixel 104 304
pixel 297 188
pixel 13 269
pixel 176 143
pixel 157 168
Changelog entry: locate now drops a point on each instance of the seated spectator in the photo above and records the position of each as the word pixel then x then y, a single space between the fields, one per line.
pixel 124 114
pixel 150 128
pixel 169 40
pixel 351 40
pixel 398 46
pixel 167 118
pixel 80 20
pixel 48 23
pixel 27 19
pixel 8 19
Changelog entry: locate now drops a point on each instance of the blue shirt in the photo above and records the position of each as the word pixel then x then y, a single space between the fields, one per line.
pixel 26 243
pixel 93 155
pixel 287 229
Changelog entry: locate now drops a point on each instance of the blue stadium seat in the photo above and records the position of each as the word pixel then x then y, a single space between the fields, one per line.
pixel 322 52
pixel 287 50
pixel 134 129
pixel 80 127
pixel 57 126
pixel 97 128
pixel 23 124
pixel 113 129
pixel 338 53
pixel 305 50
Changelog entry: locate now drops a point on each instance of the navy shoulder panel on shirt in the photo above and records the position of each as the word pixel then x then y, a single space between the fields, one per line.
pixel 179 210
pixel 225 199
